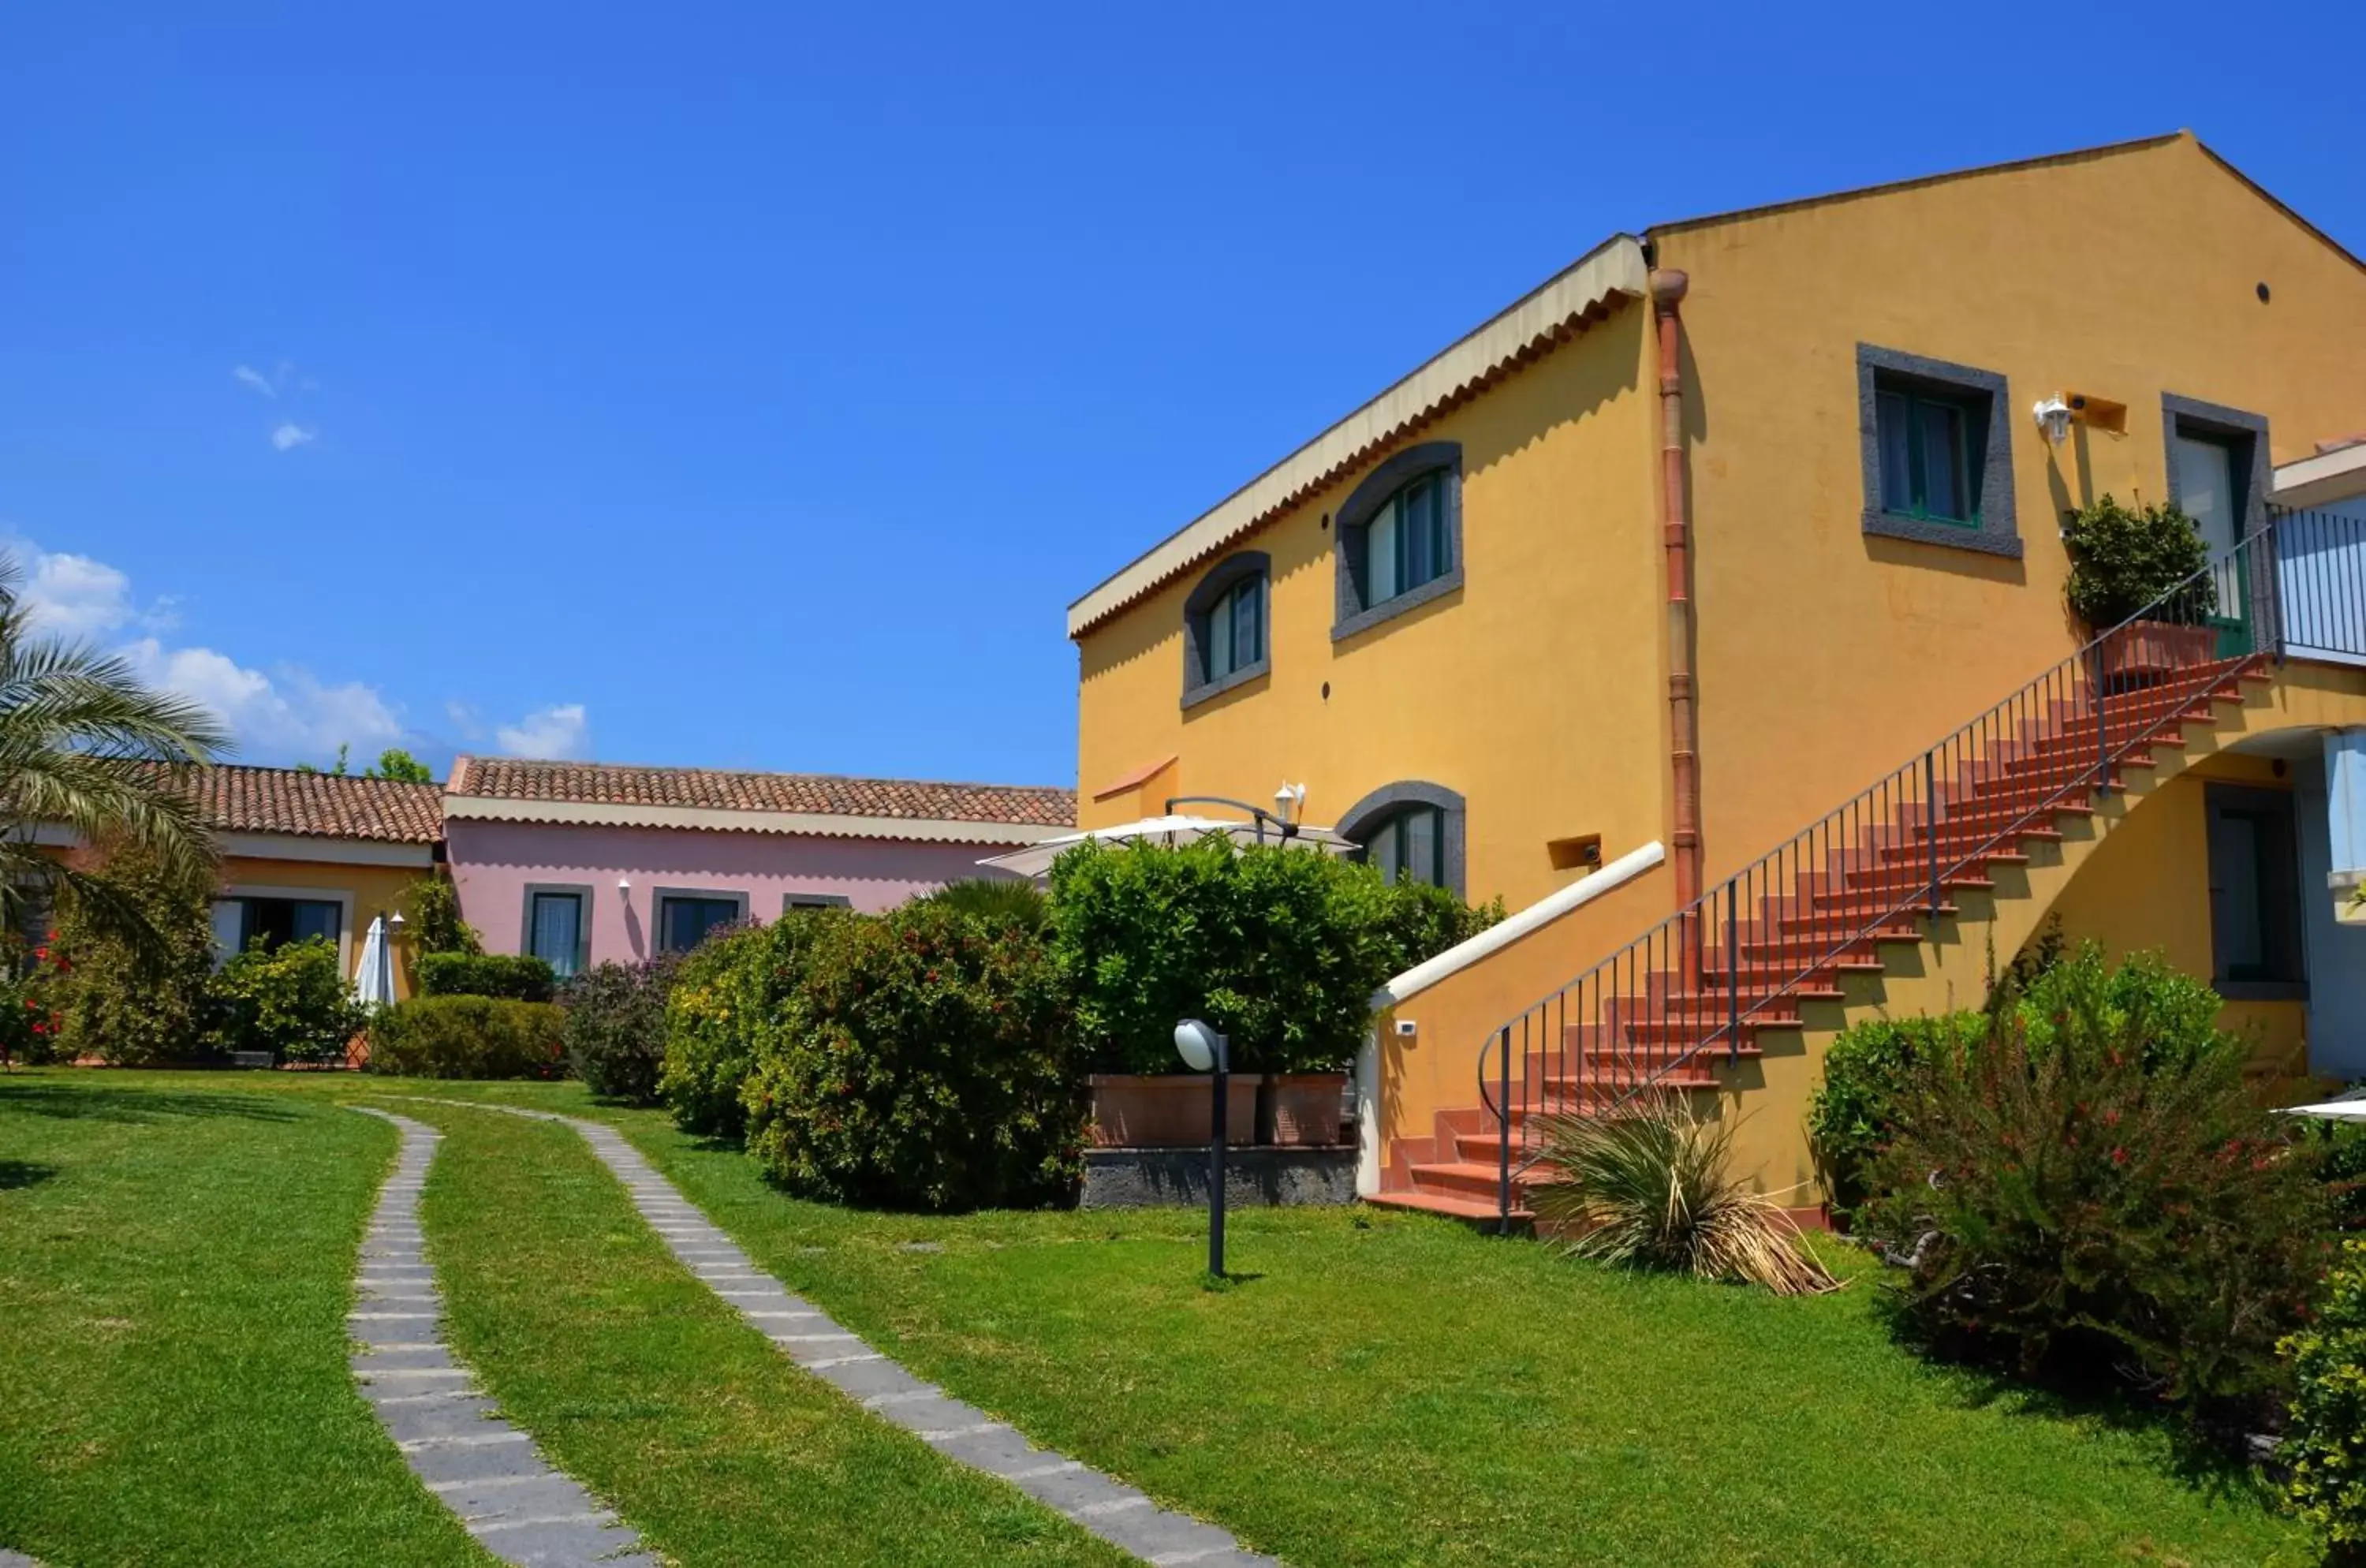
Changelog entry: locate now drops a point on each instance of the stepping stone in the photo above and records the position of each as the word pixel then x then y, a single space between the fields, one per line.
pixel 1118 1514
pixel 487 1473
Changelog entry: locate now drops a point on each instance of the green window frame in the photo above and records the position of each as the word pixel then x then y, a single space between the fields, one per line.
pixel 1408 842
pixel 1406 543
pixel 1231 632
pixel 1927 471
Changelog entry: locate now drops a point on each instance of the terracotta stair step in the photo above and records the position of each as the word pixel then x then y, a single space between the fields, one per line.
pixel 1468 1179
pixel 1453 1208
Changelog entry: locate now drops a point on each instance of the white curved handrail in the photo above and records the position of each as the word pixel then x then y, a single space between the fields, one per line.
pixel 1512 927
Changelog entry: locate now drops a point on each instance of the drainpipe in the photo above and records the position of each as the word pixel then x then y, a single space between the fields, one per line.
pixel 1668 286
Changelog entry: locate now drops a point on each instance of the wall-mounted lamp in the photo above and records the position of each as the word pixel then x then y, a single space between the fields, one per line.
pixel 394 923
pixel 1289 801
pixel 2053 416
pixel 624 884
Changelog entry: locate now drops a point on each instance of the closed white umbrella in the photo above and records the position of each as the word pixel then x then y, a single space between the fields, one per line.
pixel 1037 858
pixel 373 975
pixel 2349 1107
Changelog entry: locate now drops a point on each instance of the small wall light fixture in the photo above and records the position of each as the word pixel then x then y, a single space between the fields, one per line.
pixel 2053 416
pixel 624 884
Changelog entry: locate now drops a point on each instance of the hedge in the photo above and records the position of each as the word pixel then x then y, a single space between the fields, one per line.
pixel 616 1026
pixel 468 1037
pixel 1280 948
pixel 924 1061
pixel 518 977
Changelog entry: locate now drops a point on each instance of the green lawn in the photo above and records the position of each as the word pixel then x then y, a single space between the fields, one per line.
pixel 1388 1388
pixel 176 1262
pixel 637 1380
pixel 1378 1388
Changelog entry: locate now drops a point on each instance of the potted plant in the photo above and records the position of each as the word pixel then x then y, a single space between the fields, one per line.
pixel 2138 579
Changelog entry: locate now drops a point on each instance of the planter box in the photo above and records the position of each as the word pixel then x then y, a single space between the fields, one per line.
pixel 1168 1111
pixel 1254 1179
pixel 1308 1108
pixel 2144 653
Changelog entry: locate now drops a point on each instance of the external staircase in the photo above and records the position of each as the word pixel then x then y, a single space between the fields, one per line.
pixel 1807 935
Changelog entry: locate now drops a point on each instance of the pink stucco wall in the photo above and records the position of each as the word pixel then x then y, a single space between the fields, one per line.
pixel 494 862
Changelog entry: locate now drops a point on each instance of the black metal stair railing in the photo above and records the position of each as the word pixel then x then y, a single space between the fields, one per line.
pixel 1782 930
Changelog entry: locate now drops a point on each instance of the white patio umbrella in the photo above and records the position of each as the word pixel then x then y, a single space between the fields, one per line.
pixel 373 975
pixel 1037 858
pixel 2347 1107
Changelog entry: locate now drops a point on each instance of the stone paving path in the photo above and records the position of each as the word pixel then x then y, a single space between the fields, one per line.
pixel 1106 1508
pixel 486 1471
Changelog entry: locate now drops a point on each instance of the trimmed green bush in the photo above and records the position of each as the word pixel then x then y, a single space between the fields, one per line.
pixel 1851 1118
pixel 617 1027
pixel 2099 1195
pixel 923 1061
pixel 291 1000
pixel 1280 948
pixel 520 977
pixel 725 995
pixel 2324 1439
pixel 468 1037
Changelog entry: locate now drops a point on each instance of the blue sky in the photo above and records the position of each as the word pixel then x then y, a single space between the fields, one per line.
pixel 754 386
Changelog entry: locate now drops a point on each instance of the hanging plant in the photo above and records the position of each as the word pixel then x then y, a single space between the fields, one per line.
pixel 2124 560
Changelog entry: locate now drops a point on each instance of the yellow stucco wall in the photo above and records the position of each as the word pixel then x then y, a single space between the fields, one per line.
pixel 1827 657
pixel 374 889
pixel 1536 691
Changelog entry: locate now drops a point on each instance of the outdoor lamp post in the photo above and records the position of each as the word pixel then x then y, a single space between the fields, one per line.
pixel 1205 1050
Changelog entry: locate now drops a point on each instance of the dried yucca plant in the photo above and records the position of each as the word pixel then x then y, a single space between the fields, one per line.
pixel 1648 1187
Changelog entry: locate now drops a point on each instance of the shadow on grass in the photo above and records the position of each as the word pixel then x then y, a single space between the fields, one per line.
pixel 16 1173
pixel 103 1102
pixel 2208 1456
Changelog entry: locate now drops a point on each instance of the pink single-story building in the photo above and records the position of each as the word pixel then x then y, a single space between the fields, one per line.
pixel 580 863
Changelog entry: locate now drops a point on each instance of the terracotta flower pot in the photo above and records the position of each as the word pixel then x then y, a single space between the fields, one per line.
pixel 1308 1109
pixel 2145 653
pixel 1168 1111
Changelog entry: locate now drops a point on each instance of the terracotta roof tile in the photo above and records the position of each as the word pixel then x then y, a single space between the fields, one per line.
pixel 507 778
pixel 239 799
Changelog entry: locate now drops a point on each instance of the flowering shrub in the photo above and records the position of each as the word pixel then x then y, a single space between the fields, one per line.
pixel 726 993
pixel 2101 1197
pixel 28 1024
pixel 2325 1442
pixel 921 1061
pixel 1854 1112
pixel 468 1037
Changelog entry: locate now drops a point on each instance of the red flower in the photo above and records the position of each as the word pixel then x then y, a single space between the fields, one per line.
pixel 2119 1156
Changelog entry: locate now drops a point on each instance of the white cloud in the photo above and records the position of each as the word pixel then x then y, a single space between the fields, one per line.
pixel 557 733
pixel 288 436
pixel 74 596
pixel 286 714
pixel 255 381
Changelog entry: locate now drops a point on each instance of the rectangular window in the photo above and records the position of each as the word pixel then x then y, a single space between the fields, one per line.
pixel 1235 634
pixel 1381 579
pixel 555 930
pixel 2255 904
pixel 1925 438
pixel 684 919
pixel 815 901
pixel 2209 491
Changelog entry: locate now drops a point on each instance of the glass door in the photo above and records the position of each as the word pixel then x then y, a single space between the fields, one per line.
pixel 2207 480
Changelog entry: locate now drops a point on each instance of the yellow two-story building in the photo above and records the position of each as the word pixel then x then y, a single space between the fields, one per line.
pixel 1707 606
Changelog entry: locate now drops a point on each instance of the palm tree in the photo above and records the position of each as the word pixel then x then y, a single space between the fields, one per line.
pixel 85 746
